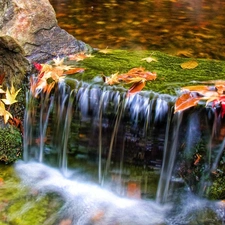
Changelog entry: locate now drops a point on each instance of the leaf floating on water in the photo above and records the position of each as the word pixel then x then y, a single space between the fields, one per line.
pixel 189 64
pixel 149 59
pixel 185 101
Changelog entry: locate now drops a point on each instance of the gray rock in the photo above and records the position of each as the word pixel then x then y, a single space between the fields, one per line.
pixel 34 26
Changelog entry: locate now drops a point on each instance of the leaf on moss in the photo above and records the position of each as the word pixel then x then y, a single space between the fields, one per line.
pixel 105 51
pixel 80 56
pixel 149 59
pixel 189 64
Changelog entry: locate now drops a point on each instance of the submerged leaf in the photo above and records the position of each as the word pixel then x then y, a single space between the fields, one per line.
pixel 189 64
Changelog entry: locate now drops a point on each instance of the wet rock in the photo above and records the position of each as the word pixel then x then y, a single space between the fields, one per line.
pixel 34 26
pixel 13 64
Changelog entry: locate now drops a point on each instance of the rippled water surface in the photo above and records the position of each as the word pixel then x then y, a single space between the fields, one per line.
pixel 193 28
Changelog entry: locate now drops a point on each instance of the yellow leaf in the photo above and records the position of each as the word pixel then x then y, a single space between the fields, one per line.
pixel 4 112
pixel 1 90
pixel 113 79
pixel 135 80
pixel 11 96
pixel 58 61
pixel 189 64
pixel 105 51
pixel 149 59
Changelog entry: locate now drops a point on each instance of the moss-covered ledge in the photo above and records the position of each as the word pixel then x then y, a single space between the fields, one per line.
pixel 170 75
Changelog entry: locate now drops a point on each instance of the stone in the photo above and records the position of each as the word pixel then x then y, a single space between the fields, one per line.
pixel 34 26
pixel 13 63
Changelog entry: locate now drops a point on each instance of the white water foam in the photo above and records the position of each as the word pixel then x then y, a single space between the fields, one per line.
pixel 85 201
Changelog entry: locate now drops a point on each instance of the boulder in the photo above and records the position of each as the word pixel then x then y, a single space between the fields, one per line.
pixel 34 26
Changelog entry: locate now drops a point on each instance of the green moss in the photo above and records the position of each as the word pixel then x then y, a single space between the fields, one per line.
pixel 22 206
pixel 170 75
pixel 11 144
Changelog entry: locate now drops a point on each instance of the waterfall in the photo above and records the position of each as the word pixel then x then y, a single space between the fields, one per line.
pixel 98 129
pixel 103 153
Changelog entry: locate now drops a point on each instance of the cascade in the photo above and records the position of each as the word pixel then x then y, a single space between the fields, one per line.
pixel 104 148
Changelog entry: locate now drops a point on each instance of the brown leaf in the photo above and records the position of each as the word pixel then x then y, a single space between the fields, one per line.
pixel 189 64
pixel 186 101
pixel 136 87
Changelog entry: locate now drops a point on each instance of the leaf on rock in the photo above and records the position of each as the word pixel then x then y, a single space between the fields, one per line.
pixel 80 56
pixel 189 64
pixel 4 112
pixel 1 90
pixel 185 101
pixel 11 96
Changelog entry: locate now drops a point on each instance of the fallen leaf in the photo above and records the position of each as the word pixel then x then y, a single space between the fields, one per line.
pixel 186 101
pixel 11 95
pixel 136 87
pixel 74 70
pixel 113 79
pixel 189 64
pixel 1 90
pixel 149 59
pixel 80 56
pixel 4 112
pixel 105 51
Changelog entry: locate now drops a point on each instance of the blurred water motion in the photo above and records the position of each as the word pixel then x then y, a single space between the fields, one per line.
pixel 193 28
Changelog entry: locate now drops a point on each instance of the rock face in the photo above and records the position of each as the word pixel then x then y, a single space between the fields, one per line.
pixel 34 26
pixel 28 33
pixel 13 64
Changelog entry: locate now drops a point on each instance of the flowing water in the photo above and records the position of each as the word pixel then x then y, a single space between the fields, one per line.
pixel 100 155
pixel 93 156
pixel 186 28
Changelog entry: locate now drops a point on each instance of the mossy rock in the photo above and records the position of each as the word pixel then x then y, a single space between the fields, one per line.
pixel 170 75
pixel 11 144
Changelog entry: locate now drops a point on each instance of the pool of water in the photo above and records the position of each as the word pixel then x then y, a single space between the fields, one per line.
pixel 193 28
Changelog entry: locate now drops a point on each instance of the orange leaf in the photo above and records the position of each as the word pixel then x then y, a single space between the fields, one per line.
pixel 79 56
pixel 136 87
pixel 74 70
pixel 186 101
